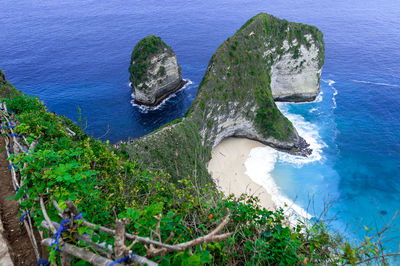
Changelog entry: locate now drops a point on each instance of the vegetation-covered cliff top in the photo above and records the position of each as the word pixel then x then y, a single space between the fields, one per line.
pixel 146 47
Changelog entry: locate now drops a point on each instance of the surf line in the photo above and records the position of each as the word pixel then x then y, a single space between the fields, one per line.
pixel 375 83
pixel 146 109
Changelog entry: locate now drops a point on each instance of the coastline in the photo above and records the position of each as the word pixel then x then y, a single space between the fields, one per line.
pixel 240 165
pixel 227 168
pixel 146 108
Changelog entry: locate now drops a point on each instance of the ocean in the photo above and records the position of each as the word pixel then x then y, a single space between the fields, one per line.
pixel 75 54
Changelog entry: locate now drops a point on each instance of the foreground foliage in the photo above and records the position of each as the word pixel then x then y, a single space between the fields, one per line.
pixel 102 182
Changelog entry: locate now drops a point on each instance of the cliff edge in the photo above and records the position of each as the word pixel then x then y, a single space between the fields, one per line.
pixel 154 71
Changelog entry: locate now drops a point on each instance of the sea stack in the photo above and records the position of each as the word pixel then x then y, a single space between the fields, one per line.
pixel 154 71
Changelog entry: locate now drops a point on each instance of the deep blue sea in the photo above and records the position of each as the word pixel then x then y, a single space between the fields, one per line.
pixel 76 54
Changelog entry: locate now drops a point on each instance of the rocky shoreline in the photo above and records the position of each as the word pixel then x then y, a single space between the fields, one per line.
pixel 164 96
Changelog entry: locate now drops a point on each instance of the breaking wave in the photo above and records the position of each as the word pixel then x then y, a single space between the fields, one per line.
pixel 259 165
pixel 376 83
pixel 146 109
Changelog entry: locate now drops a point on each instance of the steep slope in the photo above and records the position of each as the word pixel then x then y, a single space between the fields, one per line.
pixel 235 97
pixel 6 89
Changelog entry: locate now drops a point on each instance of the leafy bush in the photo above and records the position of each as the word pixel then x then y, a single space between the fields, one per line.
pixel 102 182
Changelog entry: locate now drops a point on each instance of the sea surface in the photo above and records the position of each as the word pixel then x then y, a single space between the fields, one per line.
pixel 75 54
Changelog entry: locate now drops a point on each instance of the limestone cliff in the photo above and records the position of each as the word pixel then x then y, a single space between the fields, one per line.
pixel 235 96
pixel 154 71
pixel 265 59
pixel 295 76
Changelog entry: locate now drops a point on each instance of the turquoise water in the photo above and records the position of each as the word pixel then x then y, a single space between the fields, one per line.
pixel 76 53
pixel 355 164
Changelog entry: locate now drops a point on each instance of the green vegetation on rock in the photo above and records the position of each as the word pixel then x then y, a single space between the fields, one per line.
pixel 235 89
pixel 154 71
pixel 143 49
pixel 6 89
pixel 178 141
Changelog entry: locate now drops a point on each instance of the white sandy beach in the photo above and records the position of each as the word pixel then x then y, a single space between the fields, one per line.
pixel 240 165
pixel 227 168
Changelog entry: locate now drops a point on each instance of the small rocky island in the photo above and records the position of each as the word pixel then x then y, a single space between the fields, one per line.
pixel 154 71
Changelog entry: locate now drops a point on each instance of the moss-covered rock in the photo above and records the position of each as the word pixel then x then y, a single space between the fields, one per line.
pixel 154 71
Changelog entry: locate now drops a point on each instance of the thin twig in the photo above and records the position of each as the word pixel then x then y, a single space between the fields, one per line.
pixel 46 217
pixel 377 257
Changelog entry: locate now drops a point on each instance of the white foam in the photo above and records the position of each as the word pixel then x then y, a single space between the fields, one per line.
pixel 319 98
pixel 260 163
pixel 309 132
pixel 335 92
pixel 312 110
pixel 329 81
pixel 146 109
pixel 376 83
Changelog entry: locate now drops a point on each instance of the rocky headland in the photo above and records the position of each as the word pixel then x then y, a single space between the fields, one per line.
pixel 267 59
pixel 154 71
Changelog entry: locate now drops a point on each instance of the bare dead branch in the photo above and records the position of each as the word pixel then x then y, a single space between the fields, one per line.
pixel 82 254
pixel 377 257
pixel 120 249
pixel 210 237
pixel 46 217
pixel 144 240
pixel 103 247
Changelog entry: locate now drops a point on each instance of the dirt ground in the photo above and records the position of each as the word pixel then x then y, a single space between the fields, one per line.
pixel 18 241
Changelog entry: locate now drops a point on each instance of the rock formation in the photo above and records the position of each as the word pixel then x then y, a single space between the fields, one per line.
pixel 266 59
pixel 154 71
pixel 295 76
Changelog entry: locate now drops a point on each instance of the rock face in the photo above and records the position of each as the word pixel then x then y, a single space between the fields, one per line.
pixel 267 59
pixel 154 71
pixel 296 77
